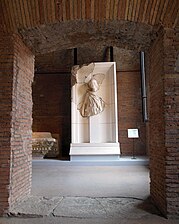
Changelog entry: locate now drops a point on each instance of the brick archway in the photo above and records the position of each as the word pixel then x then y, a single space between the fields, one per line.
pixel 17 63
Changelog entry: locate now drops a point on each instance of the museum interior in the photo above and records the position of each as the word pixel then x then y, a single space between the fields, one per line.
pixel 41 41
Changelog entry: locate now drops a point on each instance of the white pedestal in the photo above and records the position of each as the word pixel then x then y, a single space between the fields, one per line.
pixel 96 138
pixel 94 152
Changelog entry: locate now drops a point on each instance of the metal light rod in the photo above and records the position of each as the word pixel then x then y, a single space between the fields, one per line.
pixel 111 54
pixel 143 86
pixel 75 56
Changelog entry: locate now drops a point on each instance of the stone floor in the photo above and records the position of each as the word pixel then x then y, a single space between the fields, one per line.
pixel 64 192
pixel 83 207
pixel 103 179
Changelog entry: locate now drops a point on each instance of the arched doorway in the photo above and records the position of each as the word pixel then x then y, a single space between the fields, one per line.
pixel 63 35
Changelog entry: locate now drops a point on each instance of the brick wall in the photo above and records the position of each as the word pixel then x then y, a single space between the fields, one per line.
pixel 130 112
pixel 163 122
pixel 6 74
pixel 21 130
pixel 156 124
pixel 171 113
pixel 52 107
pixel 16 74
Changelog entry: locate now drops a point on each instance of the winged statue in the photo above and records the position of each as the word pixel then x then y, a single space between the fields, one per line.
pixel 91 104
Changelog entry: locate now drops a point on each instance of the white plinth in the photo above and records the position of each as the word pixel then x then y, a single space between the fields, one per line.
pixel 94 152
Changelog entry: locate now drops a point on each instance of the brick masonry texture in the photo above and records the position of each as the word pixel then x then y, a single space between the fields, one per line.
pixel 156 124
pixel 171 113
pixel 164 121
pixel 130 113
pixel 6 73
pixel 17 67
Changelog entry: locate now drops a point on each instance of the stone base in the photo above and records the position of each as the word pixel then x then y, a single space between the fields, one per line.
pixel 94 152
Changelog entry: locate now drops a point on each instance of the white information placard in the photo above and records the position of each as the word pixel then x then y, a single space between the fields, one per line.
pixel 133 133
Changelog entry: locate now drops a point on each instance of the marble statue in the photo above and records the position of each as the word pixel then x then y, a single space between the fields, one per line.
pixel 91 104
